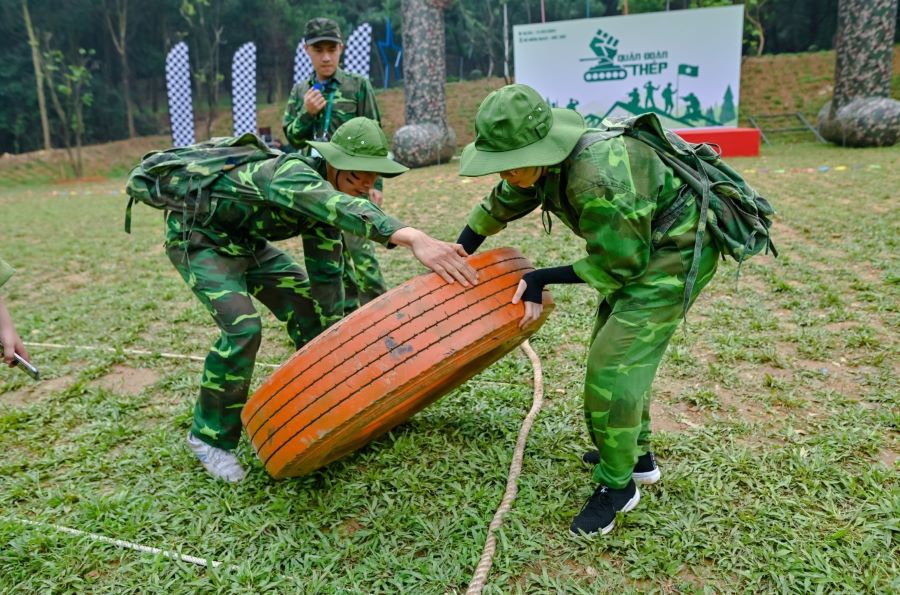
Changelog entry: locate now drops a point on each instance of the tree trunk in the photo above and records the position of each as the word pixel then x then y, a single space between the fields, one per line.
pixel 119 35
pixel 426 138
pixel 861 112
pixel 864 46
pixel 38 74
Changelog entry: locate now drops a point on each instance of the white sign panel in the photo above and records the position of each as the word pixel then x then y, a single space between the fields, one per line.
pixel 683 65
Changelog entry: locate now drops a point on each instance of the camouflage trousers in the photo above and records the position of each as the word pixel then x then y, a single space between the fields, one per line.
pixel 224 284
pixel 631 332
pixel 363 281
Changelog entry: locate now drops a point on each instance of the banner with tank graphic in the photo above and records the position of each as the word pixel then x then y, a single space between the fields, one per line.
pixel 684 65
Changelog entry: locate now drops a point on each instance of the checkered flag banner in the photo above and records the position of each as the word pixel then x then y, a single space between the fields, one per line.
pixel 178 86
pixel 243 89
pixel 358 51
pixel 303 67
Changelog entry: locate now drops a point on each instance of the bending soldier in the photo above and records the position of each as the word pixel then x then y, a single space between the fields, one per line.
pixel 607 192
pixel 227 257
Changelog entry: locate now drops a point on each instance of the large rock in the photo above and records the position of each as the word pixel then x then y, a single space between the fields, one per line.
pixel 417 145
pixel 863 122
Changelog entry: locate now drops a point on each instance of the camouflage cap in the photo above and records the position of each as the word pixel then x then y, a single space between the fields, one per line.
pixel 359 145
pixel 321 29
pixel 515 127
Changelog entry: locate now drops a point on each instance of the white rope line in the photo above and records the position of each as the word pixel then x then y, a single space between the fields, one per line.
pixel 123 544
pixel 515 468
pixel 196 358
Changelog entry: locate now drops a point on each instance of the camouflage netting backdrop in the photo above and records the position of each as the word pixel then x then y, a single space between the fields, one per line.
pixel 862 114
pixel 426 139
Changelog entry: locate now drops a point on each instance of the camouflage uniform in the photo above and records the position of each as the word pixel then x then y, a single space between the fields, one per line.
pixel 608 195
pixel 353 96
pixel 229 258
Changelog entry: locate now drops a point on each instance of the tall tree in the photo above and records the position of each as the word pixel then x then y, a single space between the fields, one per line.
pixel 427 138
pixel 38 73
pixel 204 18
pixel 119 34
pixel 861 112
pixel 69 81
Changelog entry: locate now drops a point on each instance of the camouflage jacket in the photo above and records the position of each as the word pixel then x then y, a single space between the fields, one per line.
pixel 6 272
pixel 608 195
pixel 280 198
pixel 353 96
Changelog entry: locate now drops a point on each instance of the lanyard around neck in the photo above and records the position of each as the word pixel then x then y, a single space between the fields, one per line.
pixel 332 84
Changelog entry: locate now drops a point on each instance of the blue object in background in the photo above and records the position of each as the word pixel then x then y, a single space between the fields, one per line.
pixel 386 44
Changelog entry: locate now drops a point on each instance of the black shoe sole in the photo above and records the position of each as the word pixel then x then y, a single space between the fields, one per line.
pixel 629 506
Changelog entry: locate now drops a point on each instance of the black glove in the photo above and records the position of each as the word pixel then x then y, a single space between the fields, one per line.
pixel 470 240
pixel 537 279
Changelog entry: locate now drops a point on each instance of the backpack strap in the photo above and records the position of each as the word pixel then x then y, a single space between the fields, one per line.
pixel 593 136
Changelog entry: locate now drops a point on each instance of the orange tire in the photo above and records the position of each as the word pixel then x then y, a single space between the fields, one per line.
pixel 381 364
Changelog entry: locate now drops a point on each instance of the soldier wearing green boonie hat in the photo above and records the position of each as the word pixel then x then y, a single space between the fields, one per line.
pixel 252 195
pixel 317 106
pixel 609 189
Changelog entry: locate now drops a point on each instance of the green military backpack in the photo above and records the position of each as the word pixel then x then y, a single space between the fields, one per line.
pixel 736 216
pixel 179 179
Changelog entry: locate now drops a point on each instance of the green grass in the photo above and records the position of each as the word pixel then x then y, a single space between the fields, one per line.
pixel 776 414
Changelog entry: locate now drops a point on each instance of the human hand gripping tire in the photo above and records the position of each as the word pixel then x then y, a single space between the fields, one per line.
pixel 533 309
pixel 446 259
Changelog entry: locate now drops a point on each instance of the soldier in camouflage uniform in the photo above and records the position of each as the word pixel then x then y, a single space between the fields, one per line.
pixel 10 342
pixel 607 193
pixel 229 258
pixel 315 109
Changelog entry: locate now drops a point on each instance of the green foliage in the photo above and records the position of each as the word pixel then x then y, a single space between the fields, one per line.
pixel 214 29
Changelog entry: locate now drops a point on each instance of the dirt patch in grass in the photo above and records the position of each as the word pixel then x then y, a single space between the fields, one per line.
pixel 38 392
pixel 888 458
pixel 124 380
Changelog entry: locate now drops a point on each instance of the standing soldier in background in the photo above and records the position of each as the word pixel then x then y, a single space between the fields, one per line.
pixel 315 109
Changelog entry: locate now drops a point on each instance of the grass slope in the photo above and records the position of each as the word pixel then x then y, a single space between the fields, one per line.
pixel 775 413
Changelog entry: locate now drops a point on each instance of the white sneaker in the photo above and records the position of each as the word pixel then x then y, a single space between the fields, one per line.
pixel 220 463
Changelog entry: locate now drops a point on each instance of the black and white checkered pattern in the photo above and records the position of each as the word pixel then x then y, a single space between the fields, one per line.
pixel 178 86
pixel 303 67
pixel 243 89
pixel 358 50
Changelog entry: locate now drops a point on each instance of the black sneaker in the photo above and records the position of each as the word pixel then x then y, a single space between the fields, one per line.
pixel 645 471
pixel 598 515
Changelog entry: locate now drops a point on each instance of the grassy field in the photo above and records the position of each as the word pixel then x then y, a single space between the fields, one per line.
pixel 775 412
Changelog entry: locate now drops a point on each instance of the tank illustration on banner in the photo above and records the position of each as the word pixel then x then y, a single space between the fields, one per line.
pixel 604 46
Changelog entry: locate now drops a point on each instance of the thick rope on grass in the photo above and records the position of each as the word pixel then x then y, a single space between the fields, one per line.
pixel 515 468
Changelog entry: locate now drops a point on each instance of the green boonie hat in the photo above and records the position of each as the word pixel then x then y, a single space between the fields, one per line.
pixel 321 29
pixel 515 127
pixel 359 145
